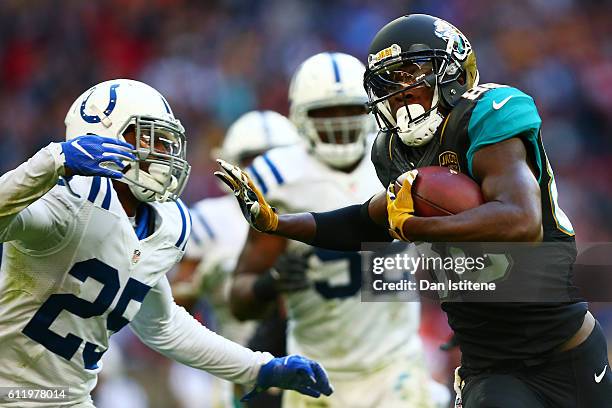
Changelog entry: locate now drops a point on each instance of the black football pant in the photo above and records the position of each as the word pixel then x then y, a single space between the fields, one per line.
pixel 578 378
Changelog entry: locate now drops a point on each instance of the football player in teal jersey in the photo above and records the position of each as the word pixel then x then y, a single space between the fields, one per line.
pixel 422 82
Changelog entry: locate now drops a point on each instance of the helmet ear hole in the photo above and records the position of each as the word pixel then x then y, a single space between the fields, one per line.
pixel 450 94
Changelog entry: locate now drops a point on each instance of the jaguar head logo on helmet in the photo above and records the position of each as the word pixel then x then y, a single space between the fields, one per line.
pixel 418 68
pixel 134 112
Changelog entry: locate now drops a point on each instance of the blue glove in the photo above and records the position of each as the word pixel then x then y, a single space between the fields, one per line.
pixel 292 373
pixel 93 155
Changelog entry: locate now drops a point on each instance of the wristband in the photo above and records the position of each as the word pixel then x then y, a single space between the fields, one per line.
pixel 264 287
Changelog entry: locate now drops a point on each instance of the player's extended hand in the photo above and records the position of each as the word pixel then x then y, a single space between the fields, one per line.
pixel 400 206
pixel 256 210
pixel 92 155
pixel 292 373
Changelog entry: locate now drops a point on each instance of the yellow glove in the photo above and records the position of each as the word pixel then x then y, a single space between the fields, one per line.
pixel 400 206
pixel 254 207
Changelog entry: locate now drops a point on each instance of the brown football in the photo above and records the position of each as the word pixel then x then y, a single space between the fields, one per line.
pixel 439 191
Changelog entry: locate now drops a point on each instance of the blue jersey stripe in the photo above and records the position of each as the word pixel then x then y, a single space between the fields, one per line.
pixel 258 179
pixel 195 237
pixel 95 189
pixel 183 225
pixel 107 197
pixel 335 67
pixel 188 213
pixel 180 243
pixel 190 224
pixel 273 169
pixel 204 223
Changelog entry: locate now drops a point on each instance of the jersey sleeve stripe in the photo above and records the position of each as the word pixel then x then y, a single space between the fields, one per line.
pixel 202 220
pixel 196 237
pixel 273 169
pixel 179 242
pixel 95 189
pixel 189 226
pixel 107 196
pixel 258 179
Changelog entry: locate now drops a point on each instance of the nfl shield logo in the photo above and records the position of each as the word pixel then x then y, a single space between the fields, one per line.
pixel 136 256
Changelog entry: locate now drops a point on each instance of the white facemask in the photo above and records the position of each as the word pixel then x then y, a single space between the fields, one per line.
pixel 154 179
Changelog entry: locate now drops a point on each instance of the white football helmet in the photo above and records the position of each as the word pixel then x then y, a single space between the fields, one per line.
pixel 109 108
pixel 254 133
pixel 327 80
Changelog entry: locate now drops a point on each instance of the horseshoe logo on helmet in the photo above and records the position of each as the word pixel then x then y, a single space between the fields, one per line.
pixel 109 107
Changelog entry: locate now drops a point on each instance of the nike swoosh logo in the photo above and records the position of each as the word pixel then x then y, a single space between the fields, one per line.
pixel 599 377
pixel 498 105
pixel 81 149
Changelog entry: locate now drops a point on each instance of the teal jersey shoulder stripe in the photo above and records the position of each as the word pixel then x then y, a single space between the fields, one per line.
pixel 500 114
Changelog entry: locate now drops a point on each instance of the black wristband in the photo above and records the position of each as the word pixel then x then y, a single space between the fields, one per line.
pixel 264 287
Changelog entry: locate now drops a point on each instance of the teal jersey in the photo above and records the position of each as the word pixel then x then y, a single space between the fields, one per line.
pixel 485 115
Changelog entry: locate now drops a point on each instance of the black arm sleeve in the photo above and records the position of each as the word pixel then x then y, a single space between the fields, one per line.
pixel 347 228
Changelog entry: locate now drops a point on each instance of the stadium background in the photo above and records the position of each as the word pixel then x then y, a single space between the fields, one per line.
pixel 215 60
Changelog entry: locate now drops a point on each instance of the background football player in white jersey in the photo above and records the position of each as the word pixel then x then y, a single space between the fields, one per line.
pixel 213 248
pixel 84 255
pixel 371 350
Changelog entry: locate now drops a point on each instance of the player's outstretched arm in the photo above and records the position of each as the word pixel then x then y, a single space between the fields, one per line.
pixel 170 330
pixel 85 155
pixel 344 229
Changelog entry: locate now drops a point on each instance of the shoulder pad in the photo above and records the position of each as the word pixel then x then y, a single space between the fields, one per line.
pixel 204 213
pixel 477 91
pixel 283 165
pixel 500 113
pixel 176 221
pixel 97 190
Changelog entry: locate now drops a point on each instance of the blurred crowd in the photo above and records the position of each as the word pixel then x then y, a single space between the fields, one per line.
pixel 215 60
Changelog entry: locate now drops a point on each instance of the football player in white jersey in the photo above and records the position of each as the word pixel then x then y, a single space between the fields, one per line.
pixel 90 227
pixel 215 243
pixel 371 351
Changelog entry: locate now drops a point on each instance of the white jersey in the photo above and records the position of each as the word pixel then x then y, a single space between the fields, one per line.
pixel 328 322
pixel 74 271
pixel 218 235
